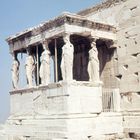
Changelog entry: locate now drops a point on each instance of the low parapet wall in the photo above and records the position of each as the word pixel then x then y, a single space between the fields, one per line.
pixel 61 110
pixel 58 98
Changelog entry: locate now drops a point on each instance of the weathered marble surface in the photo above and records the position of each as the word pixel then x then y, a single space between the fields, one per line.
pixel 3 136
pixel 74 110
pixel 123 69
pixel 75 97
pixel 125 16
pixel 70 110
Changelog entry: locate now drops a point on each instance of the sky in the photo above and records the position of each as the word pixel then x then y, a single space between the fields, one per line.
pixel 18 15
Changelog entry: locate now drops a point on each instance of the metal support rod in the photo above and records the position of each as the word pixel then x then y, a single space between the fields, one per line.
pixel 56 70
pixel 37 59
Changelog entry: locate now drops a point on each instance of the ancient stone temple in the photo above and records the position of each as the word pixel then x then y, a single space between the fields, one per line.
pixel 76 77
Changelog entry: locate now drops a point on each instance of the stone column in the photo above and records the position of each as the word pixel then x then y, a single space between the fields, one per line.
pixel 29 67
pixel 44 71
pixel 93 65
pixel 15 71
pixel 67 59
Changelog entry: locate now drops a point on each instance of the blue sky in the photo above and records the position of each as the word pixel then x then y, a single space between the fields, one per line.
pixel 18 15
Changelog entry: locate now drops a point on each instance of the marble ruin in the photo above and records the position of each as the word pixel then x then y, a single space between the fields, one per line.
pixel 83 76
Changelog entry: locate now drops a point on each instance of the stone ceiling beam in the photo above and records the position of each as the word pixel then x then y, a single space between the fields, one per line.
pixel 70 23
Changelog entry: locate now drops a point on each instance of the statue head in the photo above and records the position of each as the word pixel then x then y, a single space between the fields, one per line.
pixel 14 56
pixel 66 38
pixel 45 44
pixel 28 51
pixel 93 44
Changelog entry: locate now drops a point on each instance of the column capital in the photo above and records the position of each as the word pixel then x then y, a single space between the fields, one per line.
pixel 44 41
pixel 66 37
pixel 28 51
pixel 66 34
pixel 93 65
pixel 93 37
pixel 13 54
pixel 93 41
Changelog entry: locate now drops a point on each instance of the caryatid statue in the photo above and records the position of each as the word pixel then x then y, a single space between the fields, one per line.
pixel 15 71
pixel 93 65
pixel 44 71
pixel 67 59
pixel 29 67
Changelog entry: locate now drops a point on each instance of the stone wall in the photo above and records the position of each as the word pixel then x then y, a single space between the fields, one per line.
pixel 125 16
pixel 56 99
pixel 108 64
pixel 61 110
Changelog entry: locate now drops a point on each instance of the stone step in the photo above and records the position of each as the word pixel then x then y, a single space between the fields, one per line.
pixel 36 128
pixel 36 131
pixel 126 139
pixel 47 135
pixel 42 122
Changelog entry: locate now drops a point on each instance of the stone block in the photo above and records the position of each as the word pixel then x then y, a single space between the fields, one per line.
pixel 115 119
pixel 130 4
pixel 97 137
pixel 81 126
pixel 137 40
pixel 131 123
pixel 130 102
pixel 125 23
pixel 134 68
pixel 57 100
pixel 128 67
pixel 121 69
pixel 136 19
pixel 120 136
pixel 129 83
pixel 132 32
pixel 82 99
pixel 3 137
pixel 127 59
pixel 121 33
pixel 105 15
pixel 122 51
pixel 136 12
pixel 132 50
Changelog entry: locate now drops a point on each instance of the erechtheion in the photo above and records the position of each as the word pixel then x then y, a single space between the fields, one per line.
pixel 82 76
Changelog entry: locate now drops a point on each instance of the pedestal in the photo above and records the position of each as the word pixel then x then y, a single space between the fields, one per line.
pixel 57 111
